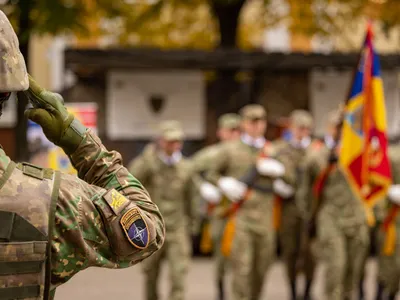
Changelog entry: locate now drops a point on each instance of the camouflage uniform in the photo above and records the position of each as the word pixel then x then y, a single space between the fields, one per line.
pixel 342 229
pixel 291 223
pixel 389 264
pixel 202 161
pixel 169 187
pixel 254 241
pixel 54 225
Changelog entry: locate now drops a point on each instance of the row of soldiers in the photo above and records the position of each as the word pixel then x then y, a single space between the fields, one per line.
pixel 265 191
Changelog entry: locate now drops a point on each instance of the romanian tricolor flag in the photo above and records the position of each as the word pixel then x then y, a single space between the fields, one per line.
pixel 363 150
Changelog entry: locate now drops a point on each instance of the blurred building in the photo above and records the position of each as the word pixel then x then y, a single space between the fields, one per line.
pixel 135 88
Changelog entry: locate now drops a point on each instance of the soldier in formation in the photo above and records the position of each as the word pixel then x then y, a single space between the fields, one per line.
pixel 288 219
pixel 389 235
pixel 217 204
pixel 167 176
pixel 53 225
pixel 233 173
pixel 341 223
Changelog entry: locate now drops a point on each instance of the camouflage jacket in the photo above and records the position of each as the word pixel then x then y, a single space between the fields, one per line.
pixel 293 158
pixel 169 187
pixel 81 232
pixel 202 162
pixel 338 201
pixel 236 159
pixel 394 156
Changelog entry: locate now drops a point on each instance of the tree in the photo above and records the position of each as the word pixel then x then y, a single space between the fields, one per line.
pixel 222 24
pixel 51 17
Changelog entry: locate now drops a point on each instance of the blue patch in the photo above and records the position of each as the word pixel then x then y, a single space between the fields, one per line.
pixel 138 233
pixel 135 228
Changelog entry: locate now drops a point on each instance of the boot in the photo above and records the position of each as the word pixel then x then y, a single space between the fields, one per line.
pixel 293 289
pixel 307 291
pixel 221 294
pixel 379 291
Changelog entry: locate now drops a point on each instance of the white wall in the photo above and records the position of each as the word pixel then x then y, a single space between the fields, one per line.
pixel 129 112
pixel 328 89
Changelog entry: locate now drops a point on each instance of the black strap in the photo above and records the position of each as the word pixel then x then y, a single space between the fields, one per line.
pixel 7 173
pixel 21 292
pixel 20 267
pixel 52 212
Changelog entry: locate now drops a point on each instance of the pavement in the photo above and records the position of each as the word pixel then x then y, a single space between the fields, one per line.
pixel 103 284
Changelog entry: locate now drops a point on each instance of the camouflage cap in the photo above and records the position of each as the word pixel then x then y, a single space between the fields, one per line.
pixel 253 111
pixel 301 118
pixel 229 121
pixel 13 74
pixel 335 117
pixel 171 130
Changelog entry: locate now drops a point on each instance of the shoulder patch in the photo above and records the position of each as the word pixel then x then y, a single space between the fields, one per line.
pixel 135 228
pixel 116 201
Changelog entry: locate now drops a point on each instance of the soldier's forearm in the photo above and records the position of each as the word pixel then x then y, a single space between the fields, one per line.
pixel 94 163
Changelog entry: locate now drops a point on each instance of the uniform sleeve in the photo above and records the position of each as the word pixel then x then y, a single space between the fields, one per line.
pixel 283 156
pixel 108 221
pixel 140 169
pixel 304 193
pixel 191 200
pixel 220 163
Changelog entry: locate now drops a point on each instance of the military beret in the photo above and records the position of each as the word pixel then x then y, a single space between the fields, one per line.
pixel 253 112
pixel 229 121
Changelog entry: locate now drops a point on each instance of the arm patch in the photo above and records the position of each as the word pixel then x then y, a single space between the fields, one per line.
pixel 116 201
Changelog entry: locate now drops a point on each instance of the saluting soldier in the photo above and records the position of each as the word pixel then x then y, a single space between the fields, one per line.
pixel 341 223
pixel 253 248
pixel 54 225
pixel 288 220
pixel 167 175
pixel 228 130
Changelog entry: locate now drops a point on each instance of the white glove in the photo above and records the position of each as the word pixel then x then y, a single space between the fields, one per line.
pixel 270 167
pixel 283 189
pixel 210 193
pixel 232 188
pixel 394 193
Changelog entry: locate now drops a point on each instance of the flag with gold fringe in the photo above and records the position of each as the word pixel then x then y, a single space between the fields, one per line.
pixel 363 147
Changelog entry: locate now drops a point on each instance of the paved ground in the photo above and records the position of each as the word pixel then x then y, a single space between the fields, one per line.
pixel 99 284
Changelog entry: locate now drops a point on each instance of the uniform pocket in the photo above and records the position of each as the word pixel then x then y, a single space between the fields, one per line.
pixel 22 267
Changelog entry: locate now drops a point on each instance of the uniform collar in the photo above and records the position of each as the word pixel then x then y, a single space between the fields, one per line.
pixel 329 141
pixel 253 142
pixel 170 160
pixel 303 144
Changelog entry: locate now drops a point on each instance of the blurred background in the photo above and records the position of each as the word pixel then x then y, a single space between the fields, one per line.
pixel 133 63
pixel 123 66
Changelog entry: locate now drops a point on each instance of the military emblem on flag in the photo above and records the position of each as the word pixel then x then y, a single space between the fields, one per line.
pixel 363 150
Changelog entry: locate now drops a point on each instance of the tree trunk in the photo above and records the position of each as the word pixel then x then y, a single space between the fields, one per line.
pixel 224 93
pixel 22 152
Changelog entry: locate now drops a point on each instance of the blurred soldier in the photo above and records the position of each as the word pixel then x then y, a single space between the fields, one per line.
pixel 53 225
pixel 389 255
pixel 167 176
pixel 228 130
pixel 340 224
pixel 288 219
pixel 254 241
